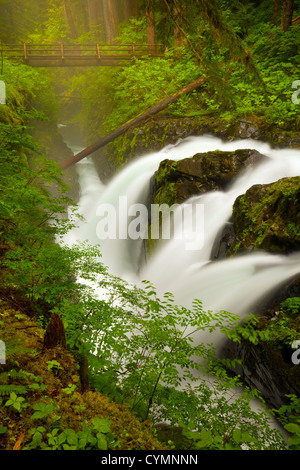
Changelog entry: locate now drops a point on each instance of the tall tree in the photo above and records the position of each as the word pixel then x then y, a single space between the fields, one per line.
pixel 131 8
pixel 276 12
pixel 287 14
pixel 150 17
pixel 70 19
pixel 178 35
pixel 94 12
pixel 111 18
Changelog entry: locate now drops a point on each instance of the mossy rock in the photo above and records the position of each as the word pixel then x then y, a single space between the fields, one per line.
pixel 177 181
pixel 267 217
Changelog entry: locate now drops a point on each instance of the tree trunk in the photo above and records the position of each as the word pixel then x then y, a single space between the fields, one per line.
pixel 55 333
pixel 70 19
pixel 131 8
pixel 133 123
pixel 275 19
pixel 287 14
pixel 150 17
pixel 179 37
pixel 94 12
pixel 84 372
pixel 111 19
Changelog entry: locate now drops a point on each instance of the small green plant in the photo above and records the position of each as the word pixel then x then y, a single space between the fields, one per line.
pixel 289 417
pixel 54 365
pixel 294 439
pixel 70 389
pixel 37 436
pixel 291 306
pixel 42 410
pixel 18 403
pixel 96 436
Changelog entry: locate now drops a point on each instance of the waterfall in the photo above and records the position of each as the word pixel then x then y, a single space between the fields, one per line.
pixel 234 284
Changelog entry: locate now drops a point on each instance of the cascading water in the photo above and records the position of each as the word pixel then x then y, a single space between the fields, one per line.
pixel 234 284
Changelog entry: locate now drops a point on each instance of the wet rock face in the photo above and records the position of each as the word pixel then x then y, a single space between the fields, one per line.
pixel 267 217
pixel 268 370
pixel 175 182
pixel 223 242
pixel 248 129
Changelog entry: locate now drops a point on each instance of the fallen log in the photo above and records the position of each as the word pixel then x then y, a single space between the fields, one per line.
pixel 296 21
pixel 133 123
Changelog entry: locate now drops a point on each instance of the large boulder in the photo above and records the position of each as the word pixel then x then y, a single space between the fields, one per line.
pixel 177 181
pixel 267 217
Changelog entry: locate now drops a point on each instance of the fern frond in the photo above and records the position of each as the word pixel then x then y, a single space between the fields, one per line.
pixel 9 388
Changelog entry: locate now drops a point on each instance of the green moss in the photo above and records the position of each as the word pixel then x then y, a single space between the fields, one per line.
pixel 167 194
pixel 267 216
pixel 27 373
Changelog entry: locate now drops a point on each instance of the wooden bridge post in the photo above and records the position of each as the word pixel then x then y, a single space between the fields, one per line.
pixel 25 51
pixel 62 51
pixel 98 52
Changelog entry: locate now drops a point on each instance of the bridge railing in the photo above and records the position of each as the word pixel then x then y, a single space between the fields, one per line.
pixel 79 51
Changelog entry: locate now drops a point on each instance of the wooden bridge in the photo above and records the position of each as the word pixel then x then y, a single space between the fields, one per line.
pixel 79 55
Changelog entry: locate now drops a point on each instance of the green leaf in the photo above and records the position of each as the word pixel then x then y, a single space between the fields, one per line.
pixel 102 444
pixel 294 440
pixel 71 437
pixel 3 429
pixel 206 439
pixel 293 428
pixel 61 438
pixel 102 425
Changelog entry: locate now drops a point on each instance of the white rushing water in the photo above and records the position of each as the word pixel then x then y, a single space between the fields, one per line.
pixel 234 284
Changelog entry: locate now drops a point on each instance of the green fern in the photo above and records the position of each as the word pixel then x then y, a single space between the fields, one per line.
pixel 10 388
pixel 23 375
pixel 27 380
